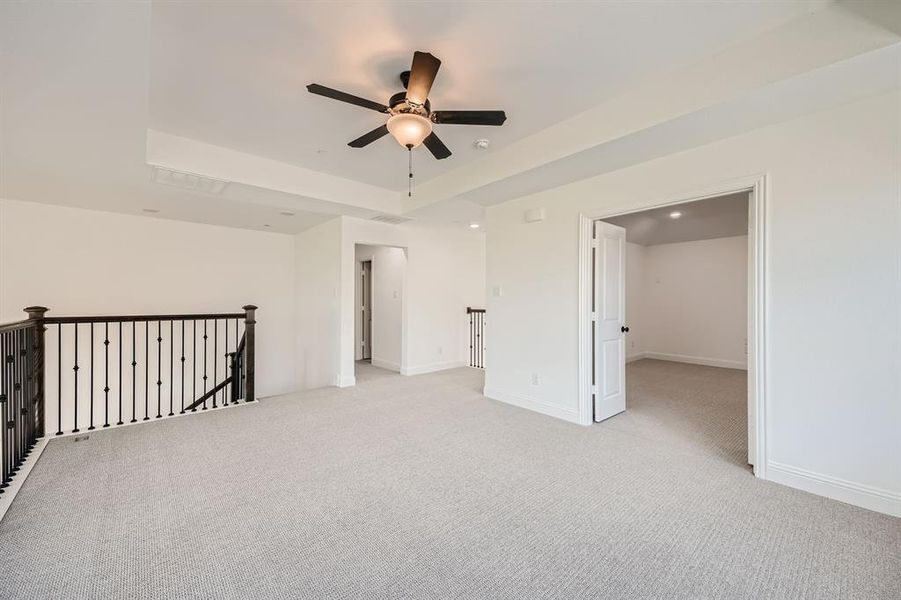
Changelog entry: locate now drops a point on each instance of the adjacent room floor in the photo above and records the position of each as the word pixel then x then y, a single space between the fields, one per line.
pixel 418 487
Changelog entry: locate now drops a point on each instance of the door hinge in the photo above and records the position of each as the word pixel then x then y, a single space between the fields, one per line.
pixel 594 242
pixel 594 390
pixel 594 316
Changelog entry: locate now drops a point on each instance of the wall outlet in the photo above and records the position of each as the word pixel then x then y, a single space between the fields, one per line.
pixel 440 350
pixel 632 344
pixel 535 379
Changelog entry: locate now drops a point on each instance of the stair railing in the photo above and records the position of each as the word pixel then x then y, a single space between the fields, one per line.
pixel 89 372
pixel 476 337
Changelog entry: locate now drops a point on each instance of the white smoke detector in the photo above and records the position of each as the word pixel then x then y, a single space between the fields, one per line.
pixel 481 144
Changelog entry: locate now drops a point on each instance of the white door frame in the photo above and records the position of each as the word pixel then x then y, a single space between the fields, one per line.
pixel 757 305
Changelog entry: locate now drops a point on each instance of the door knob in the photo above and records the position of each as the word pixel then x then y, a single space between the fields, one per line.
pixel 624 329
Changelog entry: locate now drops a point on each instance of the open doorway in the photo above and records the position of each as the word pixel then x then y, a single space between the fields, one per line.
pixel 673 323
pixel 380 273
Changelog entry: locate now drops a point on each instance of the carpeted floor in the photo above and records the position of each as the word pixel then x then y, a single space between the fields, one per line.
pixel 418 487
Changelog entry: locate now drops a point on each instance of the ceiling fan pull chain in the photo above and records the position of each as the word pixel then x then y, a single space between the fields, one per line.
pixel 410 178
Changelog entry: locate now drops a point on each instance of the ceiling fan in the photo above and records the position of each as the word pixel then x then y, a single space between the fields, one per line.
pixel 411 117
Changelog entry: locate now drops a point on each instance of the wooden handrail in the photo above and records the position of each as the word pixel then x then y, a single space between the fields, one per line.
pixel 142 318
pixel 208 395
pixel 16 325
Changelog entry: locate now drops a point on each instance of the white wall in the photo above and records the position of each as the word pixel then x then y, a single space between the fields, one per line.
pixel 833 326
pixel 84 262
pixel 634 315
pixel 689 301
pixel 317 296
pixel 445 273
pixel 389 266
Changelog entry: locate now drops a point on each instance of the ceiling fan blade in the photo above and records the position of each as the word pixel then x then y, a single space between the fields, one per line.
pixel 422 76
pixel 368 138
pixel 436 146
pixel 469 117
pixel 321 90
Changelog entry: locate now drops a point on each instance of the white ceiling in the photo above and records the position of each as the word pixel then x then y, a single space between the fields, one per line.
pixel 93 94
pixel 234 75
pixel 723 216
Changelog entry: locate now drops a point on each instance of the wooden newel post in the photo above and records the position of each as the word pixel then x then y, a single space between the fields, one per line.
pixel 36 354
pixel 249 351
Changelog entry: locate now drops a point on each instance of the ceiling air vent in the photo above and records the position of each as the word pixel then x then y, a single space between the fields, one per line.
pixel 188 181
pixel 393 219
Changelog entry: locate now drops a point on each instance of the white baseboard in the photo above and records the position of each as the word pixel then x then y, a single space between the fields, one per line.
pixel 345 381
pixel 431 368
pixel 385 364
pixel 696 360
pixel 636 356
pixel 533 404
pixel 9 493
pixel 842 490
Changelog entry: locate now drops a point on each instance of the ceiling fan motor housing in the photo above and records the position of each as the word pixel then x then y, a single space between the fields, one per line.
pixel 399 104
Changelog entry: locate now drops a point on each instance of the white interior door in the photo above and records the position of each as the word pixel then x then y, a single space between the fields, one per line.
pixel 609 387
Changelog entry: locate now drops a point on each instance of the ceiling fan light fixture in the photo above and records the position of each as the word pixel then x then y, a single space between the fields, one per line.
pixel 409 129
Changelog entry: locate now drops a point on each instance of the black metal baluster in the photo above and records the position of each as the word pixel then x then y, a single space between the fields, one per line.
pixel 106 375
pixel 4 451
pixel 194 358
pixel 204 362
pixel 479 340
pixel 134 372
pixel 146 370
pixel 471 338
pixel 91 379
pixel 23 388
pixel 59 379
pixel 182 368
pixel 171 367
pixel 482 340
pixel 159 369
pixel 475 340
pixel 25 412
pixel 215 357
pixel 28 392
pixel 479 337
pixel 16 404
pixel 119 422
pixel 75 370
pixel 225 369
pixel 12 424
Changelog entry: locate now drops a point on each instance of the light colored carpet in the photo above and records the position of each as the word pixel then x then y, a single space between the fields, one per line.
pixel 418 487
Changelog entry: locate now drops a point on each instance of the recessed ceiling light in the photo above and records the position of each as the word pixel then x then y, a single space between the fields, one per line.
pixel 675 214
pixel 286 213
pixel 481 144
pixel 473 225
pixel 150 210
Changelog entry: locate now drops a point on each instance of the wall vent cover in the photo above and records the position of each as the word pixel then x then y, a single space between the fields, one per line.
pixel 393 219
pixel 187 181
